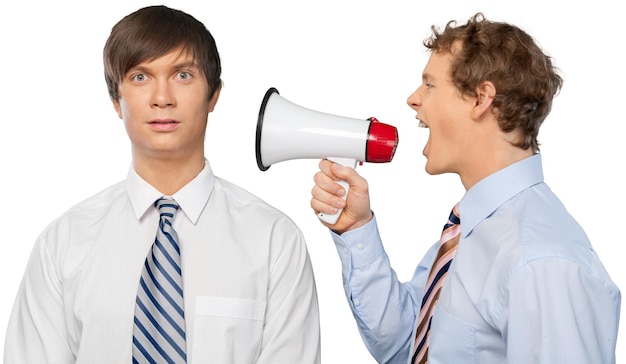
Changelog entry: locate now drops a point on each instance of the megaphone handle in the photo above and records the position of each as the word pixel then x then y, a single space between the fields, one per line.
pixel 332 218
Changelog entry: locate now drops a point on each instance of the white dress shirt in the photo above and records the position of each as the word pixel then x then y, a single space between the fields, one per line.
pixel 249 288
pixel 525 285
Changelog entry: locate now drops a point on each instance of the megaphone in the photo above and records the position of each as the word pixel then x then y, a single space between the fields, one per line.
pixel 287 131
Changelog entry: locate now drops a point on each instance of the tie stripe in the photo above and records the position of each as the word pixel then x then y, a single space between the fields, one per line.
pixel 159 324
pixel 165 270
pixel 162 312
pixel 447 249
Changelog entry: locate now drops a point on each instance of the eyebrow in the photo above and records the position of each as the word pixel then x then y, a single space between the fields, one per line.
pixel 185 64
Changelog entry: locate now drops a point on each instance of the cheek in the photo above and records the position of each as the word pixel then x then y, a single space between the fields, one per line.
pixel 197 109
pixel 123 109
pixel 126 114
pixel 117 107
pixel 121 112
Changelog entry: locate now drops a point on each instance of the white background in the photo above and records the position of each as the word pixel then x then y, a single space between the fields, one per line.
pixel 62 142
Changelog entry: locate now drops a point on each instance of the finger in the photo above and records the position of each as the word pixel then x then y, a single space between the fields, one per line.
pixel 328 184
pixel 324 201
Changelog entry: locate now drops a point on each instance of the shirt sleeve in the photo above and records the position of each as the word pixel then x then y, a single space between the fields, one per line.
pixel 291 332
pixel 36 330
pixel 385 309
pixel 556 311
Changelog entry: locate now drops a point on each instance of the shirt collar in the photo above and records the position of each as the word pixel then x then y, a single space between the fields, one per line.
pixel 192 197
pixel 487 195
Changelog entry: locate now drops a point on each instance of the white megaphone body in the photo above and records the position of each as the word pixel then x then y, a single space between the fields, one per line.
pixel 287 131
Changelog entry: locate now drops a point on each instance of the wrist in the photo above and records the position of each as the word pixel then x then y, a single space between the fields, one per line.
pixel 357 223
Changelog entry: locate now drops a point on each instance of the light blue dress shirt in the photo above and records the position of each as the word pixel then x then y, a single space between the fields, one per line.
pixel 525 286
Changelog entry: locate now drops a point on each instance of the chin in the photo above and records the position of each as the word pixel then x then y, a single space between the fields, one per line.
pixel 433 170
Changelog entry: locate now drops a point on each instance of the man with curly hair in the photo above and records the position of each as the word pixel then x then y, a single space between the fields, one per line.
pixel 514 278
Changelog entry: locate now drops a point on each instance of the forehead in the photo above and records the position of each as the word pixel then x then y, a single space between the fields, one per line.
pixel 438 65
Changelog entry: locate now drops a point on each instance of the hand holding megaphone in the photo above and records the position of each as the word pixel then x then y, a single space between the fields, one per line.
pixel 332 218
pixel 288 131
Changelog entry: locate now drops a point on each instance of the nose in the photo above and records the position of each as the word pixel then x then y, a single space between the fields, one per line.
pixel 163 94
pixel 415 100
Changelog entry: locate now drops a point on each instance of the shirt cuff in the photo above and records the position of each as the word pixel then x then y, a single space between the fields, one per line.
pixel 359 247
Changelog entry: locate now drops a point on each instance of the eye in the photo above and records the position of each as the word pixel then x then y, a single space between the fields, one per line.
pixel 184 75
pixel 139 77
pixel 429 85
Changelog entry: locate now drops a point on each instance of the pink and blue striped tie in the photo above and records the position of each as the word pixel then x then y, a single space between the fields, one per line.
pixel 447 249
pixel 159 331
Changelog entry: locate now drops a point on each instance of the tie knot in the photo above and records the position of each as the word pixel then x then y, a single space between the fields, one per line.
pixel 454 218
pixel 167 208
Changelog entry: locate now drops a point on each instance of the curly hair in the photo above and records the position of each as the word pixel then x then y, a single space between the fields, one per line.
pixel 525 79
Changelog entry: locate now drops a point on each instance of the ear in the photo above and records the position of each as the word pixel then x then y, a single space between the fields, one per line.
pixel 117 107
pixel 214 98
pixel 486 92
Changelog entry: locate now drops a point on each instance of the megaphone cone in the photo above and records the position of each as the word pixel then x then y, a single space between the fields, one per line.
pixel 287 131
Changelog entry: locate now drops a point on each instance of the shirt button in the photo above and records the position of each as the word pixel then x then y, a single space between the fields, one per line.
pixel 356 301
pixel 345 250
pixel 359 246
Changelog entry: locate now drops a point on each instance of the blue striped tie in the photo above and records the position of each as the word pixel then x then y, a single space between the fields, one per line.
pixel 159 331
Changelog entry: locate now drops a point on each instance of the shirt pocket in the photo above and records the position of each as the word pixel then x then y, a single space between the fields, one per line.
pixel 451 340
pixel 227 330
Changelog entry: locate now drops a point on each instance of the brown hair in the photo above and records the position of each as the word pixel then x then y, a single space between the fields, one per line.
pixel 152 32
pixel 524 77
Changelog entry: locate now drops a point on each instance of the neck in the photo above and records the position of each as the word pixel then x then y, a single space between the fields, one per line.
pixel 489 158
pixel 168 175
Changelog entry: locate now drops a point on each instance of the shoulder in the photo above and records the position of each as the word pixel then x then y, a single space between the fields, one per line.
pixel 545 225
pixel 242 200
pixel 87 212
pixel 531 227
pixel 546 235
pixel 99 202
pixel 252 220
pixel 234 205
